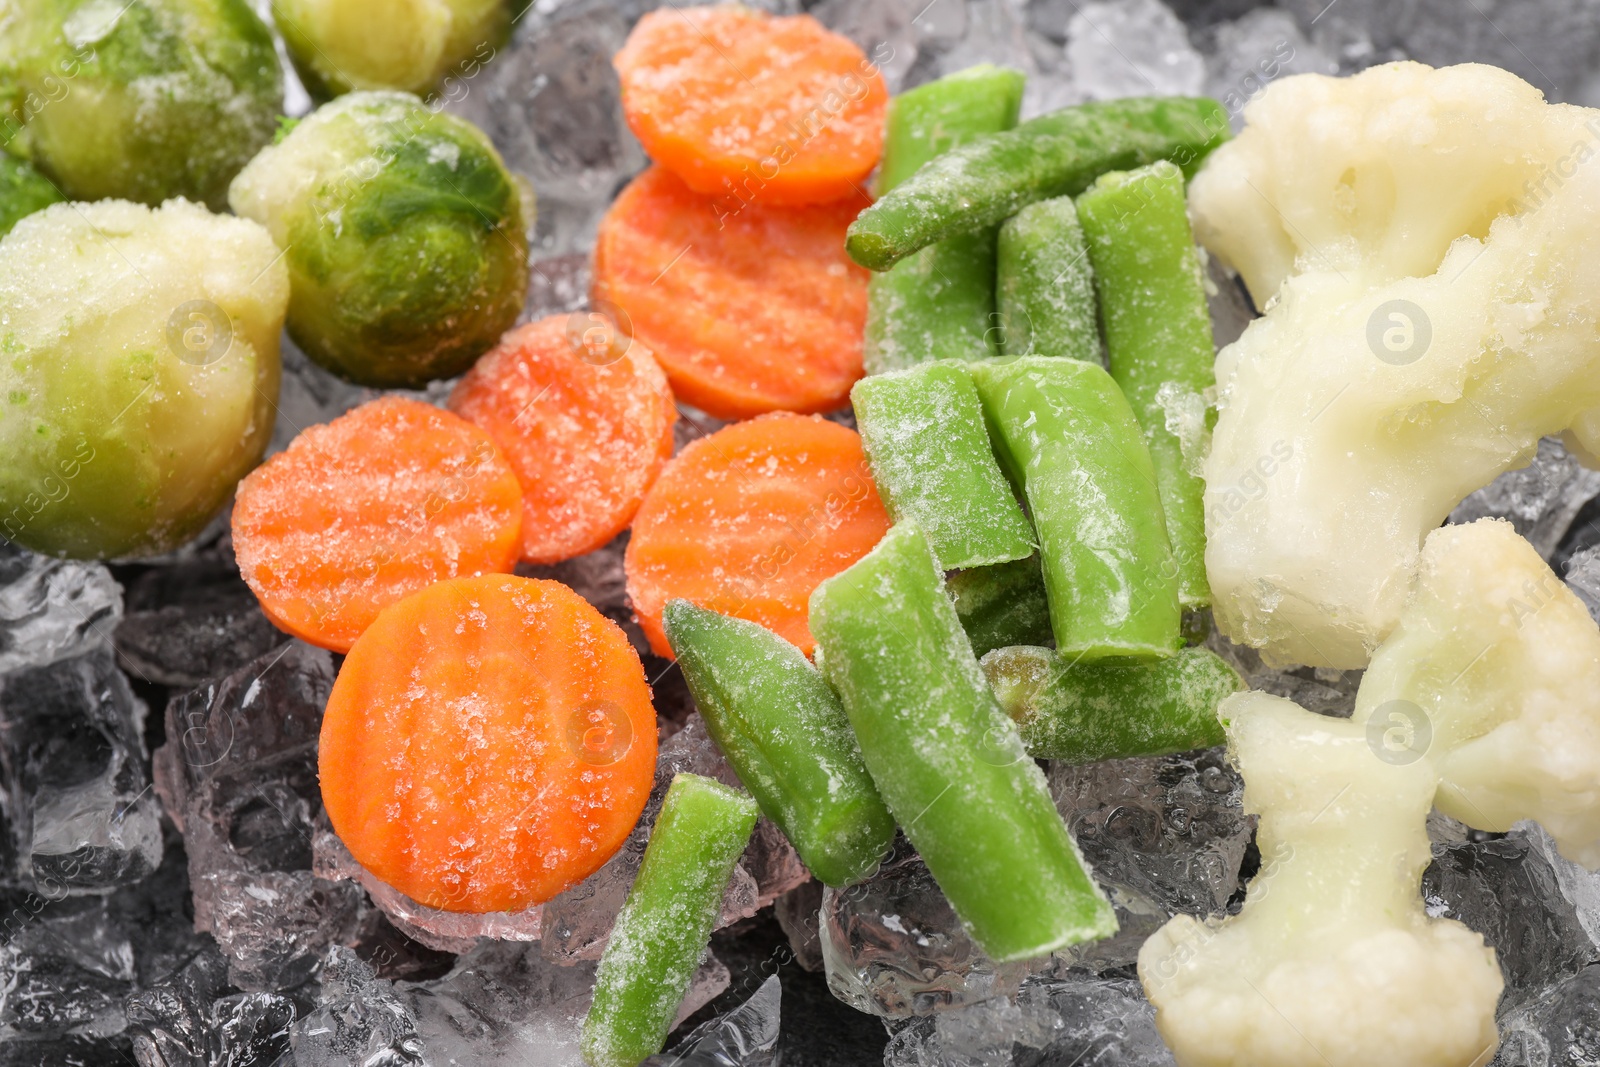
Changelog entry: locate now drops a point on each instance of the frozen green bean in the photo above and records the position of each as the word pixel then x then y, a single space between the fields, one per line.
pixel 1084 712
pixel 1044 287
pixel 1067 433
pixel 1002 604
pixel 983 183
pixel 663 929
pixel 784 733
pixel 1158 336
pixel 924 436
pixel 946 759
pixel 939 304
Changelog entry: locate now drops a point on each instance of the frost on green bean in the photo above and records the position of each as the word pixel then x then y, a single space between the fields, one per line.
pixel 142 100
pixel 138 372
pixel 1044 286
pixel 408 45
pixel 23 190
pixel 405 235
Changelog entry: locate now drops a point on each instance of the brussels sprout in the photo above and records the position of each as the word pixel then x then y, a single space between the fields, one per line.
pixel 409 45
pixel 138 372
pixel 23 191
pixel 405 236
pixel 141 100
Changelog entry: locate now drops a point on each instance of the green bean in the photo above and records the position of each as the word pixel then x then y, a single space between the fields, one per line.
pixel 924 436
pixel 1044 286
pixel 664 927
pixel 1002 604
pixel 786 736
pixel 939 304
pixel 1066 432
pixel 1084 712
pixel 946 759
pixel 1158 335
pixel 983 183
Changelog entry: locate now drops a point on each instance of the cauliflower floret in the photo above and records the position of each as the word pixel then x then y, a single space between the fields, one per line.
pixel 1332 962
pixel 1366 403
pixel 1494 672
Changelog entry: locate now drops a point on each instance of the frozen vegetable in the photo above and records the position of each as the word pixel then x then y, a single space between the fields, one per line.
pixel 1044 285
pixel 23 190
pixel 405 236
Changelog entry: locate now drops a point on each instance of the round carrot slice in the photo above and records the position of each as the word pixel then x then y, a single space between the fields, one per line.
pixel 751 519
pixel 489 743
pixel 585 418
pixel 756 312
pixel 366 510
pixel 742 105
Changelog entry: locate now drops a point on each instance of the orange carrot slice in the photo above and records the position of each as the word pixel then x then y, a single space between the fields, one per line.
pixel 749 520
pixel 585 418
pixel 366 510
pixel 742 105
pixel 760 311
pixel 489 743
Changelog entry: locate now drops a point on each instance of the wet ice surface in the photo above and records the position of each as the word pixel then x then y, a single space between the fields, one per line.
pixel 104 963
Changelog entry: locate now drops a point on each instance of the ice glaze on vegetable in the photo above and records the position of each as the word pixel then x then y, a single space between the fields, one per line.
pixel 138 372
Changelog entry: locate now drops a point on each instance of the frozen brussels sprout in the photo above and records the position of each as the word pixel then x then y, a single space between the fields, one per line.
pixel 23 190
pixel 138 372
pixel 142 100
pixel 405 236
pixel 410 45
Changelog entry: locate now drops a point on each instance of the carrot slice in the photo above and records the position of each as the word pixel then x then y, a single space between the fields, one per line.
pixel 366 510
pixel 489 743
pixel 759 311
pixel 585 418
pixel 742 105
pixel 749 520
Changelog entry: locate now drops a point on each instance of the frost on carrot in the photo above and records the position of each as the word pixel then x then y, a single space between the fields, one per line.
pixel 749 520
pixel 742 105
pixel 489 743
pixel 366 510
pixel 747 312
pixel 585 428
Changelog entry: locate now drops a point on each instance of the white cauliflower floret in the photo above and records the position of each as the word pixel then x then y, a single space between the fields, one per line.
pixel 1496 664
pixel 1367 403
pixel 1332 962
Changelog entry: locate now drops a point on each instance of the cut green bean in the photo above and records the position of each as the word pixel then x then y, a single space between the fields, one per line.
pixel 983 183
pixel 947 760
pixel 1067 433
pixel 1003 604
pixel 784 733
pixel 939 304
pixel 1158 335
pixel 663 929
pixel 1044 287
pixel 1084 712
pixel 924 436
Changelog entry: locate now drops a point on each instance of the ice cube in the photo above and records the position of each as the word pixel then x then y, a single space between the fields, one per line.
pixel 893 946
pixel 1556 1030
pixel 1323 690
pixel 1171 829
pixel 1254 50
pixel 1540 499
pixel 238 774
pixel 1507 891
pixel 772 863
pixel 65 967
pixel 360 1020
pixel 799 915
pixel 308 395
pixel 192 621
pixel 52 609
pixel 1582 576
pixel 1131 48
pixel 890 32
pixel 193 1019
pixel 747 1036
pixel 72 757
